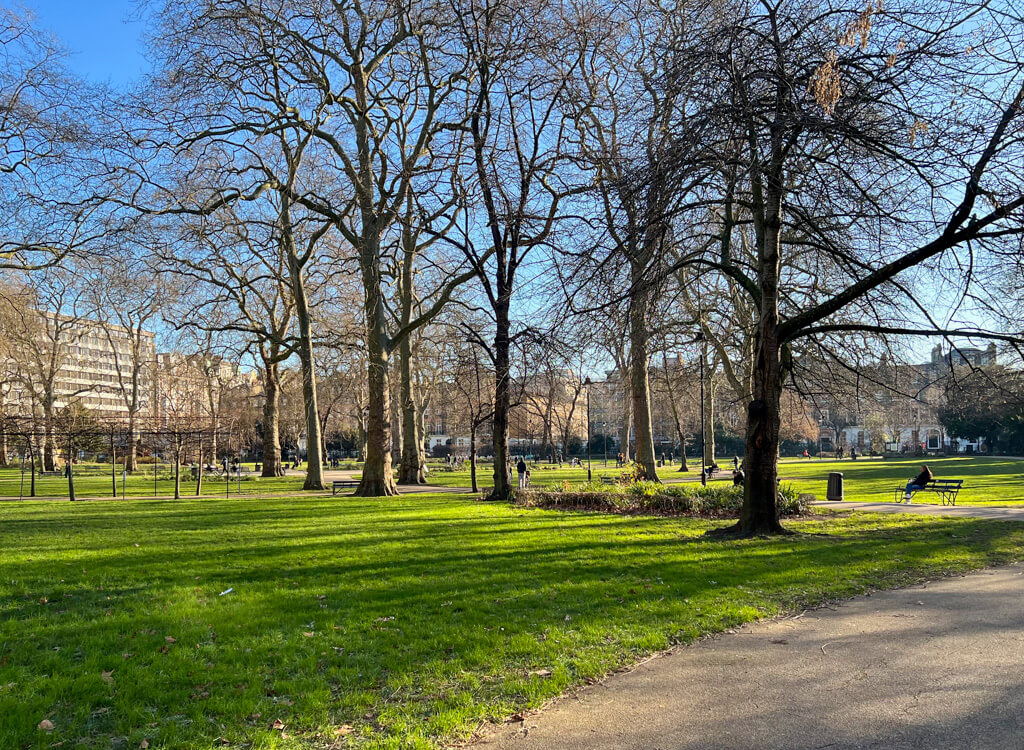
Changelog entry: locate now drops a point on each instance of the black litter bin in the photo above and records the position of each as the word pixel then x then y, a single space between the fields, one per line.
pixel 835 486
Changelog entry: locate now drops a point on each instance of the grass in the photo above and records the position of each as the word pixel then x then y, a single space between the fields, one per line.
pixel 386 623
pixel 92 480
pixel 988 481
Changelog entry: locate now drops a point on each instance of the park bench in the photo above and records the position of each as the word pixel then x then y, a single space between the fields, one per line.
pixel 710 471
pixel 607 480
pixel 947 489
pixel 340 484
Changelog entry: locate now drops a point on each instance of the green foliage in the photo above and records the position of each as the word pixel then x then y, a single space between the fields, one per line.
pixel 716 499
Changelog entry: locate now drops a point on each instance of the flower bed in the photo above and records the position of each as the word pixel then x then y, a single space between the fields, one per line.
pixel 717 501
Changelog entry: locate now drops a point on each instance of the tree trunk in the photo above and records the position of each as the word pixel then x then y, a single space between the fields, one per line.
pixel 131 456
pixel 412 439
pixel 682 452
pixel 760 513
pixel 709 416
pixel 627 416
pixel 502 401
pixel 113 464
pixel 199 471
pixel 271 422
pixel 177 473
pixel 472 458
pixel 394 401
pixel 4 459
pixel 639 358
pixel 378 479
pixel 49 445
pixel 314 457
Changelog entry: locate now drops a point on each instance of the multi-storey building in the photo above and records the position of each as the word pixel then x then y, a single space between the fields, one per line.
pixel 64 360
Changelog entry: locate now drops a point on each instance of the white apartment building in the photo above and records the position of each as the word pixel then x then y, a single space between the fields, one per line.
pixel 88 362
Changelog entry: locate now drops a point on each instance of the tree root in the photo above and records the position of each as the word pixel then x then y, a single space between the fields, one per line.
pixel 737 531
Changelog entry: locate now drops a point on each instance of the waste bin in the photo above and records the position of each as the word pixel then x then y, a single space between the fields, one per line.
pixel 835 486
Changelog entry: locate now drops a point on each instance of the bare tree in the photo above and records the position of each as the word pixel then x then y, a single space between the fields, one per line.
pixel 796 128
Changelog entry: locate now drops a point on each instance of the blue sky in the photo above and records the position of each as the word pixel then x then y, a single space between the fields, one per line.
pixel 104 41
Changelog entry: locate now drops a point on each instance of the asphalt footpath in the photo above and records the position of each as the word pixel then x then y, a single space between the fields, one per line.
pixel 939 665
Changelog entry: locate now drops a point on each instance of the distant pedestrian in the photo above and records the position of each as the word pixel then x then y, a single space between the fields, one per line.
pixel 737 478
pixel 521 470
pixel 735 463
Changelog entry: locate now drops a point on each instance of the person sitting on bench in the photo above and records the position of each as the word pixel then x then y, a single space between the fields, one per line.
pixel 918 483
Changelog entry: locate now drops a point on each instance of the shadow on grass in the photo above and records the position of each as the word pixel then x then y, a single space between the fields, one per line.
pixel 425 614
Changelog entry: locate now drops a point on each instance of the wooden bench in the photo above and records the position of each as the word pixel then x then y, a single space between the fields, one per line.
pixel 947 489
pixel 710 471
pixel 607 480
pixel 340 484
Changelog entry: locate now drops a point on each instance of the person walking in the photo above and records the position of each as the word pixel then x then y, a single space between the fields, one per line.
pixel 918 483
pixel 521 470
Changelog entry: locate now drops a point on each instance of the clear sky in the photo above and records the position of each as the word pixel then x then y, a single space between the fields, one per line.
pixel 103 36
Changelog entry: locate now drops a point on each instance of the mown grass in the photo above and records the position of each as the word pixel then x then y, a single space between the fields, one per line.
pixel 409 620
pixel 987 481
pixel 92 480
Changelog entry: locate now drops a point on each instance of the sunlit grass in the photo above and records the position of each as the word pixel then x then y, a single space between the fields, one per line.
pixel 408 619
pixel 987 481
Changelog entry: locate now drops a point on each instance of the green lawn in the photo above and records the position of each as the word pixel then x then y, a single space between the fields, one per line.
pixel 93 480
pixel 409 620
pixel 987 481
pixel 541 474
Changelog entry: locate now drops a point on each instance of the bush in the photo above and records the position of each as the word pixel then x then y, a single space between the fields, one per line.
pixel 716 500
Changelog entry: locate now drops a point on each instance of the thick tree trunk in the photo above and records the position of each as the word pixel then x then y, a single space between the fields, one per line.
pixel 639 359
pixel 396 425
pixel 378 478
pixel 314 456
pixel 271 422
pixel 760 513
pixel 502 401
pixel 4 458
pixel 412 439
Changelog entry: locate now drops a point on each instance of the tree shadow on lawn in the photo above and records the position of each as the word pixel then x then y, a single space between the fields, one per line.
pixel 425 615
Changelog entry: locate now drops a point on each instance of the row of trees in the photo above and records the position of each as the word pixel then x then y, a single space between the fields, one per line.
pixel 767 184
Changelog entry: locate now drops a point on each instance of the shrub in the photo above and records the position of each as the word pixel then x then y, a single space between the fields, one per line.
pixel 716 500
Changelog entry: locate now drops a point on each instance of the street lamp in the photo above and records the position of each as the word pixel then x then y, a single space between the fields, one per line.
pixel 587 383
pixel 703 447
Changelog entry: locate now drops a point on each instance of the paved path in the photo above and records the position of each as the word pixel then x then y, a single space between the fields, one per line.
pixel 933 666
pixel 1006 513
